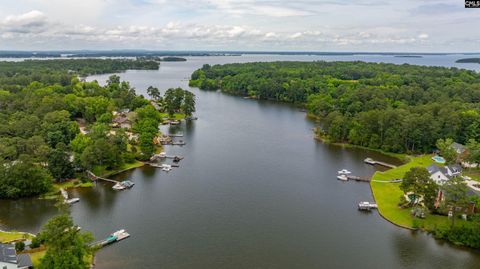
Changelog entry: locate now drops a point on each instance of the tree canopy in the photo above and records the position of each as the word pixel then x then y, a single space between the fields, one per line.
pixel 396 108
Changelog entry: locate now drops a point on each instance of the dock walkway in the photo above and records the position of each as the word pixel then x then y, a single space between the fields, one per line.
pixel 374 162
pixel 94 177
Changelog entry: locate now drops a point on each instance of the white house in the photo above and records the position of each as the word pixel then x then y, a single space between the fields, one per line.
pixel 443 174
pixel 10 260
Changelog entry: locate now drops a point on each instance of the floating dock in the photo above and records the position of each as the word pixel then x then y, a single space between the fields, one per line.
pixel 374 162
pixel 112 238
pixel 367 206
pixel 175 135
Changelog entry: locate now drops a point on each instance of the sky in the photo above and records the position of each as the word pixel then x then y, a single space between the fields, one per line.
pixel 254 25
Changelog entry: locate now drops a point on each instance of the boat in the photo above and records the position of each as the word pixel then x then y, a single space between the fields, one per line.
pixel 174 122
pixel 342 177
pixel 118 187
pixel 344 172
pixel 166 167
pixel 370 161
pixel 120 234
pixel 127 184
pixel 366 206
pixel 72 201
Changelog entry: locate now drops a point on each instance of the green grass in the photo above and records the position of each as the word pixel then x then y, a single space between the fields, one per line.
pixel 176 116
pixel 36 256
pixel 474 173
pixel 387 197
pixel 101 171
pixel 6 237
pixel 74 183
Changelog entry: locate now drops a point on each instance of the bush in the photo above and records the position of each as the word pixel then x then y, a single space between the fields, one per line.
pixel 466 235
pixel 19 246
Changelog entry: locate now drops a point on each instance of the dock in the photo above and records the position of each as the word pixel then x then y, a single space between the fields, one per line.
pixel 112 238
pixel 175 135
pixel 94 177
pixel 367 206
pixel 374 162
pixel 356 178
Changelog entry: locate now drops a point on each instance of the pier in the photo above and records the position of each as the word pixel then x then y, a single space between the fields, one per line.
pixel 360 179
pixel 175 135
pixel 112 238
pixel 367 206
pixel 94 177
pixel 374 162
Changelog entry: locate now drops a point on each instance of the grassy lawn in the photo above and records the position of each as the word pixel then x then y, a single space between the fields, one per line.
pixel 36 256
pixel 74 183
pixel 474 173
pixel 102 172
pixel 387 196
pixel 11 236
pixel 176 116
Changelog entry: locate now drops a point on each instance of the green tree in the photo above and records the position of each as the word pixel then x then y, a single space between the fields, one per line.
pixel 446 150
pixel 59 163
pixel 67 247
pixel 23 178
pixel 154 93
pixel 188 106
pixel 455 194
pixel 418 181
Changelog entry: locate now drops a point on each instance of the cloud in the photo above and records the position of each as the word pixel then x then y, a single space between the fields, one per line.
pixel 30 22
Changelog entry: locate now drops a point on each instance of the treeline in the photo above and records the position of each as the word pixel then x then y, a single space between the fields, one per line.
pixel 40 136
pixel 61 71
pixel 396 108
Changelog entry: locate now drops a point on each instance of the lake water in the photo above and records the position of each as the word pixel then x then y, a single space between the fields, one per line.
pixel 255 190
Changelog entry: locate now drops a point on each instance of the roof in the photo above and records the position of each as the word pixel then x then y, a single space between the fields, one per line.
pixel 458 147
pixel 455 168
pixel 24 260
pixel 8 253
pixel 432 169
pixel 121 119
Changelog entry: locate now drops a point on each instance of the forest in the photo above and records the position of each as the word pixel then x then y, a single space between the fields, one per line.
pixel 54 126
pixel 394 108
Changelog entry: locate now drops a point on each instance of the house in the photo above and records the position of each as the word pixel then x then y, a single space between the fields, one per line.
pixel 459 148
pixel 10 260
pixel 122 121
pixel 442 174
pixel 438 174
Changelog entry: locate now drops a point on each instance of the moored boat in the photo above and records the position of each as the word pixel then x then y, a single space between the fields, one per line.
pixel 344 172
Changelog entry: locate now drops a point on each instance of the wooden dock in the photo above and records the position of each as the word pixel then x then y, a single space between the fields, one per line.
pixel 374 162
pixel 175 135
pixel 360 179
pixel 94 177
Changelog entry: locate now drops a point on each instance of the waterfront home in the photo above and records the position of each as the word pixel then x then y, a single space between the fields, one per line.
pixel 459 148
pixel 10 260
pixel 442 174
pixel 122 121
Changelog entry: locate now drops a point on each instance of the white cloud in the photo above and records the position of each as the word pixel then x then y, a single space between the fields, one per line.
pixel 30 22
pixel 355 25
pixel 423 36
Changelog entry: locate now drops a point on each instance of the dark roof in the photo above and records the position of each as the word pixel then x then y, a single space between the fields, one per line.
pixel 8 253
pixel 24 260
pixel 432 169
pixel 458 147
pixel 121 119
pixel 455 168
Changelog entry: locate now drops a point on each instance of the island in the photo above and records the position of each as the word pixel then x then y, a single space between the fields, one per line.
pixel 468 60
